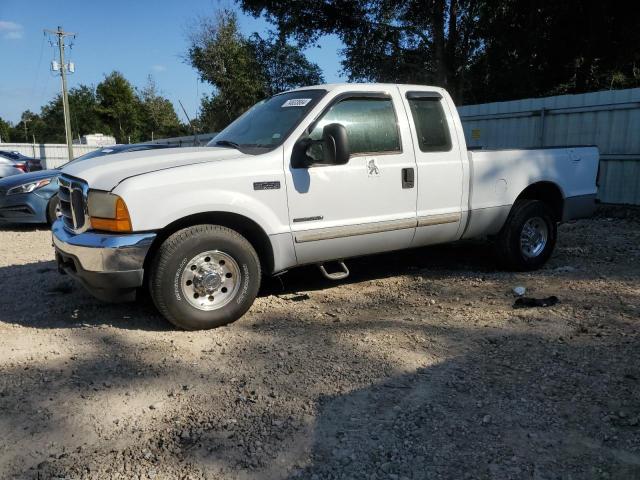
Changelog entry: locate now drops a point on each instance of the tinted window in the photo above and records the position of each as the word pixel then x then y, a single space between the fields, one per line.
pixel 431 124
pixel 370 122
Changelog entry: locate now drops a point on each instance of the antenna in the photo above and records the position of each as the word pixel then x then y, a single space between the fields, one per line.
pixel 193 129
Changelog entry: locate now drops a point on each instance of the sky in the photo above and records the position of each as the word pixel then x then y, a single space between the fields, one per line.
pixel 135 37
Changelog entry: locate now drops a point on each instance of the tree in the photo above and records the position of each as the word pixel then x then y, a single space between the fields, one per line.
pixel 242 70
pixel 224 59
pixel 119 107
pixel 569 47
pixel 5 129
pixel 85 116
pixel 30 126
pixel 158 117
pixel 479 50
pixel 282 66
pixel 413 41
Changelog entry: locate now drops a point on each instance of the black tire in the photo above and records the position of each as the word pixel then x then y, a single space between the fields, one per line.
pixel 167 272
pixel 52 207
pixel 511 254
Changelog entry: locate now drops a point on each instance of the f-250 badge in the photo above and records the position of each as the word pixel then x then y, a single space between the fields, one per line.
pixel 372 168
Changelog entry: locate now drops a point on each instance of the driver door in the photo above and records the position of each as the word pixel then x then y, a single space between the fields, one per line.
pixel 367 205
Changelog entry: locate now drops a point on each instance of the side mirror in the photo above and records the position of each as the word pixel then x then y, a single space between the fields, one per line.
pixel 335 144
pixel 334 148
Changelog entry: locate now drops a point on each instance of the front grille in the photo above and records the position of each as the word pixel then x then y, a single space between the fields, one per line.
pixel 73 203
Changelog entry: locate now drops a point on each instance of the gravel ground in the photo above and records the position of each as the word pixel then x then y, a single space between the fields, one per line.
pixel 415 367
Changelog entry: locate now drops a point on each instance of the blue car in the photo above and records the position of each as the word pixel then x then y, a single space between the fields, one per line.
pixel 33 197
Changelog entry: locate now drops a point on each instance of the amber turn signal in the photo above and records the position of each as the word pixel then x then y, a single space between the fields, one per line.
pixel 121 222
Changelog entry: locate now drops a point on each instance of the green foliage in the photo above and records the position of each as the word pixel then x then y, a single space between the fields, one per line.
pixel 30 125
pixel 5 131
pixel 119 107
pixel 159 119
pixel 282 66
pixel 85 117
pixel 224 59
pixel 114 107
pixel 556 48
pixel 481 50
pixel 242 70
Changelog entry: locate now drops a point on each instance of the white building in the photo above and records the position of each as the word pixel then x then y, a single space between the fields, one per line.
pixel 96 139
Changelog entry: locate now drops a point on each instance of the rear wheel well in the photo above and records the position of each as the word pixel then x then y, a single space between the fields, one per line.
pixel 241 224
pixel 548 193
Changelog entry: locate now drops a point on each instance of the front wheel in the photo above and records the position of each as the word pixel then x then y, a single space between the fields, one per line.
pixel 528 237
pixel 53 210
pixel 204 276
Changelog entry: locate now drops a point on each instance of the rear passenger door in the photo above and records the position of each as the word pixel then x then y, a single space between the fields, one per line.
pixel 339 211
pixel 440 172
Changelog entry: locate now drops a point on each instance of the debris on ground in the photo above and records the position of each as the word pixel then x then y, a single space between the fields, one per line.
pixel 519 291
pixel 528 302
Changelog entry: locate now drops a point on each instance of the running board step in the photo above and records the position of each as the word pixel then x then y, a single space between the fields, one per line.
pixel 335 275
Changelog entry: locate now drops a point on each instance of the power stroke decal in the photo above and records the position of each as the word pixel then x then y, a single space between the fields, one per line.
pixel 274 185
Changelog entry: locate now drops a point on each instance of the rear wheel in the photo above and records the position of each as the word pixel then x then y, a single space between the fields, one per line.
pixel 528 237
pixel 204 276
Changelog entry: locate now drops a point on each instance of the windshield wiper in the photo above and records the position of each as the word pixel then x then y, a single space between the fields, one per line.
pixel 228 143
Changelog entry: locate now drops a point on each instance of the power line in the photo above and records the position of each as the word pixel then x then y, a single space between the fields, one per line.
pixel 64 68
pixel 37 75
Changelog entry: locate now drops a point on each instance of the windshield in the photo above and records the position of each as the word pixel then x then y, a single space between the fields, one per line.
pixel 268 123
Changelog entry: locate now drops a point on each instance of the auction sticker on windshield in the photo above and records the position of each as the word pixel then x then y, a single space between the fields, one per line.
pixel 296 102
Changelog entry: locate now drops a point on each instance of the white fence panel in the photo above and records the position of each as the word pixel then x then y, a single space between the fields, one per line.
pixel 52 154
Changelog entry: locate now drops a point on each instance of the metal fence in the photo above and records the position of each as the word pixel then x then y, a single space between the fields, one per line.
pixel 609 120
pixel 52 154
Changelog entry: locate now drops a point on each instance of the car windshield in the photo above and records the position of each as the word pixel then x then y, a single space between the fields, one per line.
pixel 268 123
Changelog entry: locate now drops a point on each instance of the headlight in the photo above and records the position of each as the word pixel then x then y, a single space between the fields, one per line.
pixel 108 211
pixel 29 187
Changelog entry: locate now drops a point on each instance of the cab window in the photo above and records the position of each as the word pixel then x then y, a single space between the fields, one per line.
pixel 370 122
pixel 431 124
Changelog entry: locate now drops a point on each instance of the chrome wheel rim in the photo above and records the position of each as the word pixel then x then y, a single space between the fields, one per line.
pixel 534 237
pixel 210 280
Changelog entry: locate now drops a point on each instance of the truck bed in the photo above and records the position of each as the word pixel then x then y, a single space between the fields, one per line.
pixel 498 177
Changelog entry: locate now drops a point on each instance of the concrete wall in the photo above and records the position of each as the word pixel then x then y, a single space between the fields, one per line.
pixel 608 119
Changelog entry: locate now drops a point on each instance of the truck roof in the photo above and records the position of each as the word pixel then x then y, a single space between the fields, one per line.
pixel 365 86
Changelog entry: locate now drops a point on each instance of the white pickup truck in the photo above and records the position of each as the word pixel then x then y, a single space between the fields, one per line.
pixel 310 176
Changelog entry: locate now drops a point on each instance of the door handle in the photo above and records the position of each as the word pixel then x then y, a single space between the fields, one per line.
pixel 408 178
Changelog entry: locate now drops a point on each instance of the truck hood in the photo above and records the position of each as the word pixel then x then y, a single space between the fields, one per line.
pixel 106 172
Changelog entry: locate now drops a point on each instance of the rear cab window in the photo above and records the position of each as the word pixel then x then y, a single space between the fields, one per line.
pixel 430 122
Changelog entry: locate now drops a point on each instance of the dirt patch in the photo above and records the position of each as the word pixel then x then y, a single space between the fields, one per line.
pixel 415 367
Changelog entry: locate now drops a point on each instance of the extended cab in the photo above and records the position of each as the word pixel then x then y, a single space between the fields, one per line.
pixel 309 176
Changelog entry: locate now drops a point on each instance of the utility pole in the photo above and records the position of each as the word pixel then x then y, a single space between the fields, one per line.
pixel 26 137
pixel 61 34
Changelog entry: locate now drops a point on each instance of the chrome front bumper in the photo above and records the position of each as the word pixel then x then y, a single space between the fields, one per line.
pixel 109 265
